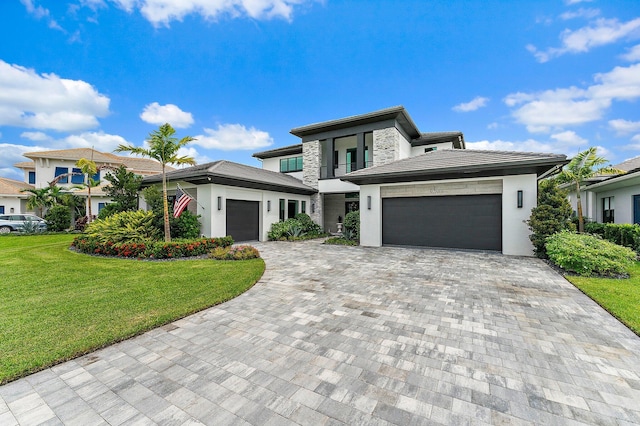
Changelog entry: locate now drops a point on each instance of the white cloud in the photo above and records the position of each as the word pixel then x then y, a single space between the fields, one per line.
pixel 229 137
pixel 633 54
pixel 569 138
pixel 555 109
pixel 493 125
pixel 601 32
pixel 162 12
pixel 36 136
pixel 636 138
pixel 100 141
pixel 580 13
pixel 474 104
pixel 11 154
pixel 566 143
pixel 624 127
pixel 47 101
pixel 155 113
pixel 40 12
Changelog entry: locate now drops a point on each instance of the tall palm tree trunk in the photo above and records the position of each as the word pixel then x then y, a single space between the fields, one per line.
pixel 90 218
pixel 579 203
pixel 167 229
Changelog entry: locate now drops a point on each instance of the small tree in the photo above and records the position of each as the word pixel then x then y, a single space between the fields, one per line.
pixel 58 218
pixel 551 215
pixel 352 222
pixel 582 167
pixel 39 199
pixel 163 147
pixel 123 189
pixel 89 169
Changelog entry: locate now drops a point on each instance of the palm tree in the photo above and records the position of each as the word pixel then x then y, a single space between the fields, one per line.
pixel 39 199
pixel 582 167
pixel 89 169
pixel 163 147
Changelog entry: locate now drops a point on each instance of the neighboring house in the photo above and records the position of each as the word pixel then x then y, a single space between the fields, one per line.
pixel 45 166
pixel 412 188
pixel 611 199
pixel 12 199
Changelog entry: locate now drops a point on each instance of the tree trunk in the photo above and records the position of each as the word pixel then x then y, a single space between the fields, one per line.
pixel 89 201
pixel 167 229
pixel 579 202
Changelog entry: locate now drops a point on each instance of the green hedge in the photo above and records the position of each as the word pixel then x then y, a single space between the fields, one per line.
pixel 149 250
pixel 589 255
pixel 622 234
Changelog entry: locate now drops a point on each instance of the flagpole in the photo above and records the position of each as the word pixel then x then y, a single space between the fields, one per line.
pixel 193 198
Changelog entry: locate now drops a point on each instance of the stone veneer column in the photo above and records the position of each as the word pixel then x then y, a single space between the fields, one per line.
pixel 386 146
pixel 310 174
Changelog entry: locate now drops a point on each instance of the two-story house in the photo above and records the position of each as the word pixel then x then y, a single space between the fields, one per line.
pixel 411 188
pixel 60 165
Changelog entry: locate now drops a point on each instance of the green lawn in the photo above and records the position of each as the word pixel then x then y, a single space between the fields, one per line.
pixel 56 304
pixel 620 297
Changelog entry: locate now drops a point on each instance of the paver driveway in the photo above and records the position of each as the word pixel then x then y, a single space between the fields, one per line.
pixel 354 335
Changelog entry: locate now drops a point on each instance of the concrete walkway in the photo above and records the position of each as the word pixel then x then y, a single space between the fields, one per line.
pixel 351 335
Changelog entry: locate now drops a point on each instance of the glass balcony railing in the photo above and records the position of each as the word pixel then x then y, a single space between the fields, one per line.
pixel 341 169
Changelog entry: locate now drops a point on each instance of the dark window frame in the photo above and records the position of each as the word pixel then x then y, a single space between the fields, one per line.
pixel 62 171
pixel 32 178
pixel 608 211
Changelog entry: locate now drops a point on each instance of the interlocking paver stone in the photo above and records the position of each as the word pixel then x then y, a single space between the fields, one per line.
pixel 353 335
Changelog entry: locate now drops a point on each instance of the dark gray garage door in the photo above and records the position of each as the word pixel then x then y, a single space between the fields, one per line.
pixel 461 221
pixel 243 220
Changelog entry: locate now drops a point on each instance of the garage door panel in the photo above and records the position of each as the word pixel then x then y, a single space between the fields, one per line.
pixel 243 220
pixel 463 221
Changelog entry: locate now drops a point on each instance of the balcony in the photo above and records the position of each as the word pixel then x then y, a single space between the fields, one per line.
pixel 341 169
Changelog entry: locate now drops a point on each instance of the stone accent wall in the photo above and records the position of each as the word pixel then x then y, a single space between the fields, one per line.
pixel 311 163
pixel 386 146
pixel 310 174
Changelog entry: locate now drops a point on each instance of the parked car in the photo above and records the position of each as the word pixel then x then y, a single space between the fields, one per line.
pixel 16 222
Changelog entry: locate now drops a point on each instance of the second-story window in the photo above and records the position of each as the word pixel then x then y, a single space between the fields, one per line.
pixel 288 165
pixel 32 178
pixel 77 177
pixel 62 171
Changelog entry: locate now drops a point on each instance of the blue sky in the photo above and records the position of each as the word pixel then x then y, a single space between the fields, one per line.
pixel 551 76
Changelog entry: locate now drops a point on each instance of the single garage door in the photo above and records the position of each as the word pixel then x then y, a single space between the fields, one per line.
pixel 243 220
pixel 460 221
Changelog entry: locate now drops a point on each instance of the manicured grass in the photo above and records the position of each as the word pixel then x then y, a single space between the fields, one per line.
pixel 56 304
pixel 620 297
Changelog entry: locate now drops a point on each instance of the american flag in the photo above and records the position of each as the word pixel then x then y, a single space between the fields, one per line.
pixel 182 199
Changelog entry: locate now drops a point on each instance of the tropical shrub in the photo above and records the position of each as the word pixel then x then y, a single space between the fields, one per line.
pixel 151 249
pixel 280 230
pixel 58 218
pixel 308 225
pixel 109 210
pixel 595 228
pixel 589 255
pixel 341 241
pixel 352 222
pixel 551 215
pixel 124 227
pixel 234 253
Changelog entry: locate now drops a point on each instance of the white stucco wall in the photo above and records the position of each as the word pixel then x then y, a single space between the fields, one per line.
pixel 214 222
pixel 370 219
pixel 515 233
pixel 12 202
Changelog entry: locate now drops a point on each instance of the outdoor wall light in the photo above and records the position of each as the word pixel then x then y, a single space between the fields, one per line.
pixel 219 203
pixel 313 207
pixel 368 202
pixel 520 199
pixel 268 205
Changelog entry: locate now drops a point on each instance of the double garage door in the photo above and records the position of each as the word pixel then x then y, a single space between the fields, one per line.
pixel 457 221
pixel 243 220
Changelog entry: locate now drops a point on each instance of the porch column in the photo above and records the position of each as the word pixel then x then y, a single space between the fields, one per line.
pixel 360 151
pixel 329 147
